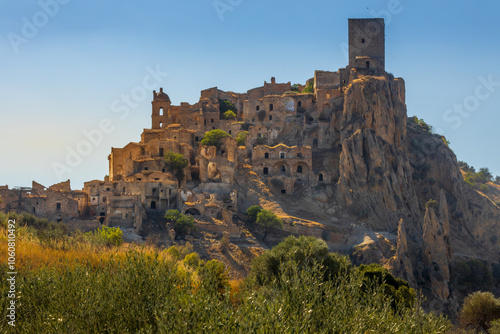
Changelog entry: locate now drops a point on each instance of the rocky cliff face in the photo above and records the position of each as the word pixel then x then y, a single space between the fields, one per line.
pixel 390 168
pixel 374 164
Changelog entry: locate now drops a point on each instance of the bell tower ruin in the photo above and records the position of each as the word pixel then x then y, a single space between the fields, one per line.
pixel 367 43
pixel 161 106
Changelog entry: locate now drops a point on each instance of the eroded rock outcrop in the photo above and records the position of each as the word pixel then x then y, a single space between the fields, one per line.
pixel 436 248
pixel 374 165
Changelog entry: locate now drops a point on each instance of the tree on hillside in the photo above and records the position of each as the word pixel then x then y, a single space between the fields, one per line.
pixel 241 138
pixel 497 180
pixel 479 310
pixel 182 223
pixel 305 251
pixel 225 105
pixel 175 164
pixel 397 289
pixel 214 138
pixel 485 175
pixel 252 212
pixel 268 220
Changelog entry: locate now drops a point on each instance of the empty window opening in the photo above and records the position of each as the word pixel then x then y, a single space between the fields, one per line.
pixel 320 177
pixel 299 169
pixel 283 169
pixel 271 107
pixel 157 179
pixel 229 132
pixel 170 191
pixel 161 111
pixel 222 152
pixel 108 189
pixel 205 122
pixel 300 104
pixel 283 191
pixel 367 64
pixel 161 152
pixel 265 171
pixel 299 155
pixel 153 205
pixel 146 168
pixel 104 199
pixel 282 155
pixel 211 121
pixel 196 138
pixel 266 155
pixel 123 189
pixel 154 191
pixel 34 210
pixel 161 125
pixel 139 179
pixel 257 108
pixel 103 214
pixel 58 206
pixel 163 170
pixel 270 117
pixel 175 137
pixel 362 40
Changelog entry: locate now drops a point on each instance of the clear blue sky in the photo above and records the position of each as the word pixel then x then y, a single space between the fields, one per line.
pixel 66 68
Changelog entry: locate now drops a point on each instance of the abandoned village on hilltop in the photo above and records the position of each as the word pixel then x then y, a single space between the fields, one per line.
pixel 292 139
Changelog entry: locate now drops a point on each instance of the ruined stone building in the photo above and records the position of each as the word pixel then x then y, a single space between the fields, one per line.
pixel 293 140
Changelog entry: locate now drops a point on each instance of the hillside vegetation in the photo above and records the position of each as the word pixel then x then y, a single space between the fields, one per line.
pixel 81 284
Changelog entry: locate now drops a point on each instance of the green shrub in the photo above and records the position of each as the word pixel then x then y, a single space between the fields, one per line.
pixel 106 236
pixel 305 252
pixel 420 122
pixel 268 220
pixel 225 105
pixel 472 275
pixel 182 223
pixel 143 293
pixel 176 163
pixel 309 87
pixel 479 310
pixel 192 260
pixel 431 203
pixel 174 253
pixel 241 138
pixel 229 115
pixel 495 327
pixel 214 138
pixel 252 212
pixel 295 87
pixel 214 276
pixel 398 290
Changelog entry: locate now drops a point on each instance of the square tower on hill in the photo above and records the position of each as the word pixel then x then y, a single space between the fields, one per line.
pixel 367 43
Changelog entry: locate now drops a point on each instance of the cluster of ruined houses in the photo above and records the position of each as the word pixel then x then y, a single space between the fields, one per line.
pixel 139 185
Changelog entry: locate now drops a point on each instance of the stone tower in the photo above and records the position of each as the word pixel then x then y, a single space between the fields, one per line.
pixel 367 43
pixel 161 106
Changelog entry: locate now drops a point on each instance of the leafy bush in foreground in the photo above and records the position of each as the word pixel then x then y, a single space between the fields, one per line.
pixel 148 291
